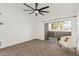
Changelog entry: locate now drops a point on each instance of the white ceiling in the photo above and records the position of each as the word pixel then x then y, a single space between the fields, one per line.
pixel 56 10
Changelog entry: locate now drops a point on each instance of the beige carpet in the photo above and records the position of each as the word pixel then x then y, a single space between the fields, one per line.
pixel 36 48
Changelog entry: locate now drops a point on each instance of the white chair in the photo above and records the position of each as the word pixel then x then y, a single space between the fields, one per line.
pixel 67 42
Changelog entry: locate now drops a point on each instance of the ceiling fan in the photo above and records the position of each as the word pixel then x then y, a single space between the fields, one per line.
pixel 37 10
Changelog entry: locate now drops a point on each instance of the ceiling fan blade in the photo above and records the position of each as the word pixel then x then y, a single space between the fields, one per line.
pixel 43 8
pixel 27 10
pixel 31 12
pixel 28 6
pixel 35 14
pixel 45 11
pixel 36 5
pixel 41 13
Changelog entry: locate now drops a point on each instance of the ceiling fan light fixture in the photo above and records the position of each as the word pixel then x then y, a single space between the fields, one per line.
pixel 36 11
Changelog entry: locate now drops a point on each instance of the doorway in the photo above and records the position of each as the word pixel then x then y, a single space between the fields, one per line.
pixel 55 30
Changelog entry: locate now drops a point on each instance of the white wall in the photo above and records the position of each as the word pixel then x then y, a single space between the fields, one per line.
pixel 17 25
pixel 77 30
pixel 77 33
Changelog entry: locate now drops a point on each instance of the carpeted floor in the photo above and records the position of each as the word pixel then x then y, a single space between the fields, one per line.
pixel 36 48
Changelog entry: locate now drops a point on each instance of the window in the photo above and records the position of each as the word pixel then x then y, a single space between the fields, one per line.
pixel 60 26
